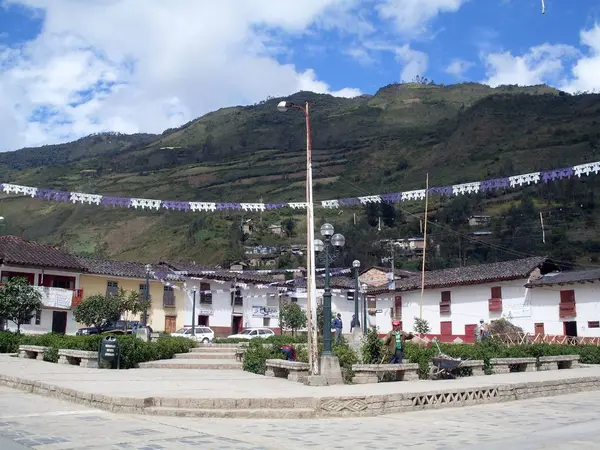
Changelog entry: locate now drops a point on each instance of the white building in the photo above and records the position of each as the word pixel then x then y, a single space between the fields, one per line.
pixel 55 274
pixel 229 301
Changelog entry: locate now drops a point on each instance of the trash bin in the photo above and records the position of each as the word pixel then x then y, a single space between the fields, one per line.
pixel 109 350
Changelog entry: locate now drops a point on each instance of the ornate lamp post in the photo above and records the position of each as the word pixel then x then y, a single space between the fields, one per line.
pixel 356 265
pixel 364 299
pixel 147 294
pixel 332 242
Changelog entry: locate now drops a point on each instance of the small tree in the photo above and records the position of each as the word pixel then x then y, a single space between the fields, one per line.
pixel 131 304
pixel 19 301
pixel 291 317
pixel 98 310
pixel 372 350
pixel 421 326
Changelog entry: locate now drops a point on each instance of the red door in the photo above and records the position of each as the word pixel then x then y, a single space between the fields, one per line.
pixel 539 329
pixel 470 332
pixel 446 328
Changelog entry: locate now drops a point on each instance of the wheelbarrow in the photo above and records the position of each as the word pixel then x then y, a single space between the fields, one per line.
pixel 443 366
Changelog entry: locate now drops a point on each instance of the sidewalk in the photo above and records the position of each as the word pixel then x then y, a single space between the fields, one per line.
pixel 188 390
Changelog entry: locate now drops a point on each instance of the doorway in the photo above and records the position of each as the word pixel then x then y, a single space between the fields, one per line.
pixel 59 322
pixel 570 329
pixel 236 324
pixel 170 324
pixel 203 320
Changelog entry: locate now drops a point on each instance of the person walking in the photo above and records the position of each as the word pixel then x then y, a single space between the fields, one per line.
pixel 394 342
pixel 337 326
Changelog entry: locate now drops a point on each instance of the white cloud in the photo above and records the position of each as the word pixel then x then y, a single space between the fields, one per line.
pixel 413 62
pixel 411 17
pixel 563 66
pixel 458 67
pixel 146 65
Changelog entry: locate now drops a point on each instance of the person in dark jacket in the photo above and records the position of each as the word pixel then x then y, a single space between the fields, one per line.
pixel 337 326
pixel 394 342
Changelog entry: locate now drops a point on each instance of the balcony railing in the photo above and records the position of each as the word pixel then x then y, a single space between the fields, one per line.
pixel 495 305
pixel 567 310
pixel 445 307
pixel 169 300
pixel 77 297
pixel 238 301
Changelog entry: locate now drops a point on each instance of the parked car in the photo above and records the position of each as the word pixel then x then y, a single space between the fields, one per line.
pixel 251 333
pixel 120 327
pixel 203 334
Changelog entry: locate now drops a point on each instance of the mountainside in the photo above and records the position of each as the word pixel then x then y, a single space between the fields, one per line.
pixel 368 145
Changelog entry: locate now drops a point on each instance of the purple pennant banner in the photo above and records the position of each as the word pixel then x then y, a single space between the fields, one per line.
pixel 513 182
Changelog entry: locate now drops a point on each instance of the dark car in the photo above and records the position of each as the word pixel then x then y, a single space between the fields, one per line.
pixel 120 327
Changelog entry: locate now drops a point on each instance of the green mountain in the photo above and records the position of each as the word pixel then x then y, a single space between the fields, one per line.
pixel 387 142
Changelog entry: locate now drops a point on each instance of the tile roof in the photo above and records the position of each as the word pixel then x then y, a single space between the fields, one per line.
pixel 480 273
pixel 397 272
pixel 195 270
pixel 575 276
pixel 17 251
pixel 128 269
pixel 337 282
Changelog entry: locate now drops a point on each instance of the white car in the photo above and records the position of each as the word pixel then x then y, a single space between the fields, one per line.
pixel 251 333
pixel 203 334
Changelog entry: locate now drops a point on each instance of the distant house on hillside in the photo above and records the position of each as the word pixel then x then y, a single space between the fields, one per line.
pixel 480 221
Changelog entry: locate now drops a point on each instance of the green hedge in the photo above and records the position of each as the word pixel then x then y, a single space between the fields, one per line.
pixel 590 354
pixel 133 350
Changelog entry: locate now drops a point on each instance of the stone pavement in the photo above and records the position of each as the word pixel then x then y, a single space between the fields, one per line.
pixel 242 394
pixel 558 423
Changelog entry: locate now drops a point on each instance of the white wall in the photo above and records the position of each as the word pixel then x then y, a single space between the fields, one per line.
pixel 545 303
pixel 220 311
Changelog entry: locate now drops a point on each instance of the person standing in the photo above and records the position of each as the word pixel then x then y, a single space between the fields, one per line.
pixel 337 326
pixel 394 342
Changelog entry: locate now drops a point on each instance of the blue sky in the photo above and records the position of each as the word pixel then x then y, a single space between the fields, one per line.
pixel 69 68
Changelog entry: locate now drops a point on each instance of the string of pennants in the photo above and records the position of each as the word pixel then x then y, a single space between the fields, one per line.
pixel 512 182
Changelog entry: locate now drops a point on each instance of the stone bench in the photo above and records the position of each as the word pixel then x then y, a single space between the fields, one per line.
pixel 80 358
pixel 369 373
pixel 476 366
pixel 558 362
pixel 292 370
pixel 32 351
pixel 502 365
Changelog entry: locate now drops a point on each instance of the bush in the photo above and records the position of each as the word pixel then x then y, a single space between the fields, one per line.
pixel 373 351
pixel 9 342
pixel 256 354
pixel 133 350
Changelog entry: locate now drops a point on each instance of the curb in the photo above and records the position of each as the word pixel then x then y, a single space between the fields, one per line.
pixel 305 407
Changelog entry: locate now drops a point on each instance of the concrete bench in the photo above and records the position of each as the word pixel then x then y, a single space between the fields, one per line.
pixel 80 358
pixel 476 366
pixel 502 365
pixel 32 351
pixel 558 362
pixel 292 370
pixel 369 373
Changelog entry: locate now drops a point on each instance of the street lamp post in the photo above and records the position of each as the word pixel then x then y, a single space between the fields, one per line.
pixel 311 286
pixel 331 241
pixel 356 265
pixel 194 311
pixel 147 294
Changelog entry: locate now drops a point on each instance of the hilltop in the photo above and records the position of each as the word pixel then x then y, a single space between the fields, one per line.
pixel 370 144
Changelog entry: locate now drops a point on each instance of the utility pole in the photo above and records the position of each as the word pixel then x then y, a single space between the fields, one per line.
pixel 543 230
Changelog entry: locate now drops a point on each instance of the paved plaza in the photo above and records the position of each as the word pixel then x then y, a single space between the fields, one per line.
pixel 562 422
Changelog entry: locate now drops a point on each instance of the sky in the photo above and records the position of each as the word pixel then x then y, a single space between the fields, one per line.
pixel 69 68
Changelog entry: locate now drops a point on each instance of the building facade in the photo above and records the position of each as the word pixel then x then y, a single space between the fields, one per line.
pixel 167 298
pixel 56 276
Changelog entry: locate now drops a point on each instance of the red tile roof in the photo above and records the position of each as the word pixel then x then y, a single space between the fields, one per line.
pixel 17 251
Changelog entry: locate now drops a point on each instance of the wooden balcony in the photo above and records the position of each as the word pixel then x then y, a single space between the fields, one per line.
pixel 77 297
pixel 169 300
pixel 495 305
pixel 445 307
pixel 567 310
